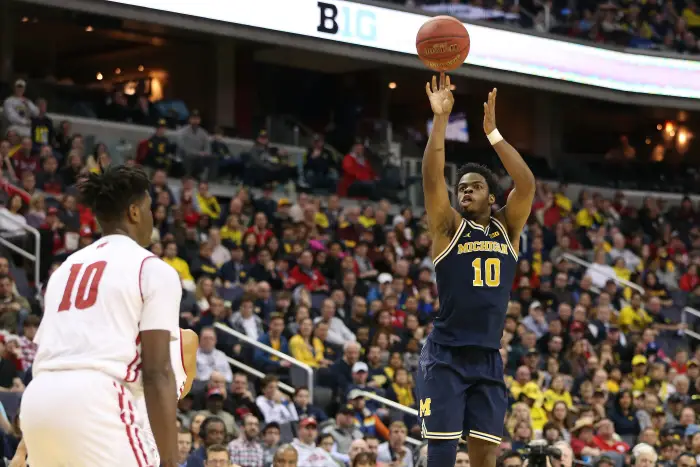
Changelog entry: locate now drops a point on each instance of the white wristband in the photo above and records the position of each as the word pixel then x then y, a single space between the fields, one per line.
pixel 494 137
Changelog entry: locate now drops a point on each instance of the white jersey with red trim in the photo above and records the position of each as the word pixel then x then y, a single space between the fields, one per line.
pixel 96 304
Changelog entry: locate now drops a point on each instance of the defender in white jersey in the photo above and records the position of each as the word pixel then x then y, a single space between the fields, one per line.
pixel 183 354
pixel 111 311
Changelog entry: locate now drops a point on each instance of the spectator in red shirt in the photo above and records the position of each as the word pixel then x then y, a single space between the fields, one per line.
pixel 27 346
pixel 305 274
pixel 25 160
pixel 11 189
pixel 260 230
pixel 48 179
pixel 690 279
pixel 680 361
pixel 582 442
pixel 358 176
pixel 605 438
pixel 548 211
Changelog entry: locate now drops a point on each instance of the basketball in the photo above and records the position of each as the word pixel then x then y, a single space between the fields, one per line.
pixel 443 43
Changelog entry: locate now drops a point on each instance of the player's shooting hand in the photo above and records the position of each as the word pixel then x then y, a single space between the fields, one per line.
pixel 440 95
pixel 490 112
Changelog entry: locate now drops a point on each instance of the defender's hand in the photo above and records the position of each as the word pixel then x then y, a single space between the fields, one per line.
pixel 490 113
pixel 440 96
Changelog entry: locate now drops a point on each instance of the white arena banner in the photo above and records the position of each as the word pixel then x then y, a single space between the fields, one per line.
pixel 395 31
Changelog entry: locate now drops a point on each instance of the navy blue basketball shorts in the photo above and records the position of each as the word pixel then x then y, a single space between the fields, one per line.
pixel 461 392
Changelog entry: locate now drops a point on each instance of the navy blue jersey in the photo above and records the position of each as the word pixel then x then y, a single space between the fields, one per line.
pixel 475 274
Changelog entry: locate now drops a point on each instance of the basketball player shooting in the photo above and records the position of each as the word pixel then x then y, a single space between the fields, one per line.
pixel 110 315
pixel 475 251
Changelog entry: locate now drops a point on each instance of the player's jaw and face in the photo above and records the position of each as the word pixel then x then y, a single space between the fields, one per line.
pixel 473 197
pixel 141 218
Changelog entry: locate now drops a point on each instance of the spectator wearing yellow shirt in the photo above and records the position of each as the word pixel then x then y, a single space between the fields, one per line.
pixel 180 265
pixel 691 14
pixel 639 373
pixel 367 218
pixel 522 377
pixel 232 230
pixel 532 396
pixel 208 204
pixel 633 318
pixel 562 201
pixel 557 392
pixel 589 215
pixel 307 348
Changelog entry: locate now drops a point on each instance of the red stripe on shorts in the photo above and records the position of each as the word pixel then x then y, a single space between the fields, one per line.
pixel 122 409
pixel 136 431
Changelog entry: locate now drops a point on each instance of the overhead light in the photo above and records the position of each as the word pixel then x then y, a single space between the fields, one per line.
pixel 141 68
pixel 88 29
pixel 659 127
pixel 392 85
pixel 647 141
pixel 99 76
pixel 25 19
pixel 118 71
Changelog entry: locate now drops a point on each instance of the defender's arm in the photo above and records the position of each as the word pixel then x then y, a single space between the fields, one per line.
pixel 190 343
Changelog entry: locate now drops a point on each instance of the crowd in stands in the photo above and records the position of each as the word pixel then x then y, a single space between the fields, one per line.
pixel 672 26
pixel 596 357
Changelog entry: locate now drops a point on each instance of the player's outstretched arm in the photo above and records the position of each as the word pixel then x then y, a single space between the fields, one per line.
pixel 190 343
pixel 442 218
pixel 519 203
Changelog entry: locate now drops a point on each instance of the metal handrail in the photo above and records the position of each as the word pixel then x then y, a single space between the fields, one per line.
pixel 626 283
pixel 37 246
pixel 397 406
pixel 258 374
pixel 694 312
pixel 276 353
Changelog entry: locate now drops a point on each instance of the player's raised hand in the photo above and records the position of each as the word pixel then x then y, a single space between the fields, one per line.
pixel 490 112
pixel 440 95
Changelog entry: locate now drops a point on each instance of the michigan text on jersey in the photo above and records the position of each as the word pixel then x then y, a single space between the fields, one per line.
pixel 483 245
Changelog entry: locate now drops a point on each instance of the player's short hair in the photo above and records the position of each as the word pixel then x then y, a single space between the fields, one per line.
pixel 216 448
pixel 110 193
pixel 489 176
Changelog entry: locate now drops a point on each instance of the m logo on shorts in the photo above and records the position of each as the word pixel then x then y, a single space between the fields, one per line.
pixel 424 407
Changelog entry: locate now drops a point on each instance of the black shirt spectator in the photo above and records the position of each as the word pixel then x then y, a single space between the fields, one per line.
pixel 43 132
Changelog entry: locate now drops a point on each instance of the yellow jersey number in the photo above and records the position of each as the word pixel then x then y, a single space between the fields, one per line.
pixel 488 271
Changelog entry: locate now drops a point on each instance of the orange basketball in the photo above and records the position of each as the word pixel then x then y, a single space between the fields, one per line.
pixel 443 43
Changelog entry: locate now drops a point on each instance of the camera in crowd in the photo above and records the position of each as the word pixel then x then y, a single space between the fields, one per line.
pixel 538 451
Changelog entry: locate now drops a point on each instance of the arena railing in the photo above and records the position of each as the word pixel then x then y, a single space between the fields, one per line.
pixel 258 374
pixel 690 311
pixel 34 257
pixel 618 281
pixel 396 406
pixel 271 351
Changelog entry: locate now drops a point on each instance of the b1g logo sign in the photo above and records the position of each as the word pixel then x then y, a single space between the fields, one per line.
pixel 352 22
